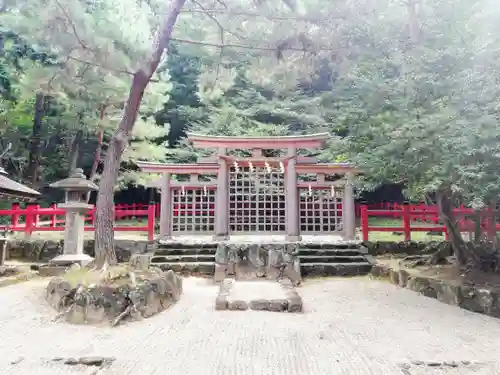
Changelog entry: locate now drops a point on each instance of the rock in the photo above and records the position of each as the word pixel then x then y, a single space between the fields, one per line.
pixel 403 277
pixel 221 303
pixel 405 247
pixel 446 292
pixel 17 360
pixel 174 284
pixel 237 305
pixel 96 304
pixel 70 361
pixel 394 276
pixel 51 270
pixel 294 302
pixel 9 271
pixel 422 285
pixel 260 305
pixel 380 270
pixel 95 361
pixel 278 305
pixel 140 261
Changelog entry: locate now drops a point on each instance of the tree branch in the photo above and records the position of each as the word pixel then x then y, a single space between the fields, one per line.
pixel 73 27
pixel 242 46
pixel 259 15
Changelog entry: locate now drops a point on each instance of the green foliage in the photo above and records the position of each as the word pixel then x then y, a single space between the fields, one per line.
pixel 410 97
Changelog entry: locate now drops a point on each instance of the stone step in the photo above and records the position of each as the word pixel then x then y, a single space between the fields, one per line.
pixel 329 252
pixel 335 269
pixel 187 251
pixel 305 259
pixel 338 246
pixel 182 258
pixel 205 268
pixel 180 245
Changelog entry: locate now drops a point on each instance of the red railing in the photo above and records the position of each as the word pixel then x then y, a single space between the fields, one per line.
pixel 425 218
pixel 35 219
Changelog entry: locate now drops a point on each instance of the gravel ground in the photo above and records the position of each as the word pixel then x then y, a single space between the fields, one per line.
pixel 350 326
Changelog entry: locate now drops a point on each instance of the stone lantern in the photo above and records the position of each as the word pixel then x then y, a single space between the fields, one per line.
pixel 76 188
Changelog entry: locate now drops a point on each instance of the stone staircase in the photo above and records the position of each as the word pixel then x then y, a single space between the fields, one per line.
pixel 185 258
pixel 343 259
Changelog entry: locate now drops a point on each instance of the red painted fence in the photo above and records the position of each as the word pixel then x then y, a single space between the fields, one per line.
pixel 422 218
pixel 35 219
pixel 414 218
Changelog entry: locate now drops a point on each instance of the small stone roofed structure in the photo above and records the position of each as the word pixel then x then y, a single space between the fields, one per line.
pixel 13 189
pixel 256 194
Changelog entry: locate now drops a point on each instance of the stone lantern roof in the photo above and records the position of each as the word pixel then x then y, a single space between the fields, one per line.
pixel 76 182
pixel 10 188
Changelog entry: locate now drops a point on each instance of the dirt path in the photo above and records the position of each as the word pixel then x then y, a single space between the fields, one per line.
pixel 351 326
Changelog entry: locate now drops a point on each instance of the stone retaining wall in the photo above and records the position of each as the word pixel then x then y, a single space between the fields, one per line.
pixel 45 250
pixel 469 297
pixel 404 247
pixel 256 261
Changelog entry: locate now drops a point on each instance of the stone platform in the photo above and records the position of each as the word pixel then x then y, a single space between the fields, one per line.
pixel 257 295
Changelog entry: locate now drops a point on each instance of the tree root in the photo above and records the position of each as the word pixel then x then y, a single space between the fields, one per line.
pixel 129 310
pixel 78 294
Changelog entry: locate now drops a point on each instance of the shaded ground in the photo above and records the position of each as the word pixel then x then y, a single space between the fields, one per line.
pixel 350 326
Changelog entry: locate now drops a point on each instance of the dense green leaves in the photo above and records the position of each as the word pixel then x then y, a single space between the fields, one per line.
pixel 409 92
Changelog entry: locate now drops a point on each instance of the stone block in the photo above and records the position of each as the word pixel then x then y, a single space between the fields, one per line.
pixel 51 270
pixel 238 305
pixel 380 270
pixel 140 261
pixel 260 305
pixel 278 305
pixel 221 303
pixel 220 272
pixel 6 271
pixel 403 277
pixel 294 301
pixel 394 276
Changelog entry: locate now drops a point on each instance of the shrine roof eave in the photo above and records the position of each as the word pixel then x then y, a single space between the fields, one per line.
pixel 258 142
pixel 12 189
pixel 177 168
pixel 326 168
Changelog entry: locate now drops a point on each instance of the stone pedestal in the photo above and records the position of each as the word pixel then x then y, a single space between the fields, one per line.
pixel 74 235
pixel 3 250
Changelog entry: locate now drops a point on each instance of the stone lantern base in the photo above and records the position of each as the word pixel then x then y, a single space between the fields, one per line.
pixel 69 259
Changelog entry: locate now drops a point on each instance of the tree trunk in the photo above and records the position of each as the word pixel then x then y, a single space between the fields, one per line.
pixel 74 151
pixel 413 22
pixel 492 222
pixel 98 150
pixel 35 141
pixel 104 235
pixel 445 205
pixel 477 226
